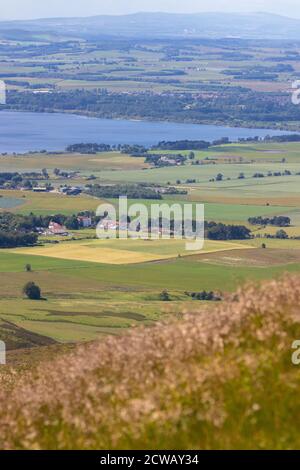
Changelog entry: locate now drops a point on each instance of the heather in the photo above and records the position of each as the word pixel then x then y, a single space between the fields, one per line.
pixel 213 378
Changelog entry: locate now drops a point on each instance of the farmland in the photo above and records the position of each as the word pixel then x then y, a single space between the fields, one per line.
pixel 129 341
pixel 44 204
pixel 93 288
pixel 123 251
pixel 154 78
pixel 86 300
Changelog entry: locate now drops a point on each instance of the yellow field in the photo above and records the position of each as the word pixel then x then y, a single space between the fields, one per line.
pixel 74 161
pixel 123 251
pixel 291 231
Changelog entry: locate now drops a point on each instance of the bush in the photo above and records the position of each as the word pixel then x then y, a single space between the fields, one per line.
pixel 32 291
pixel 164 296
pixel 189 383
pixel 281 234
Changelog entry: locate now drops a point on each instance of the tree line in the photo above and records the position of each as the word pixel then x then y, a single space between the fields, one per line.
pixel 277 221
pixel 136 191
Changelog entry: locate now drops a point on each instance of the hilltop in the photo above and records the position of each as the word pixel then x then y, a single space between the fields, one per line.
pixel 210 379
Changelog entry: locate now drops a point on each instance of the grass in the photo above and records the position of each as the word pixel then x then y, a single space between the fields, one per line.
pixel 50 203
pixel 202 173
pixel 81 319
pixel 291 231
pixel 88 300
pixel 277 256
pixel 218 211
pixel 71 162
pixel 17 338
pixel 179 274
pixel 118 252
pixel 213 379
pixel 274 243
pixel 98 288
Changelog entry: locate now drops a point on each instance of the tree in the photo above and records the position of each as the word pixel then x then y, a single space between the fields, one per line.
pixel 72 223
pixel 32 291
pixel 27 184
pixel 282 234
pixel 28 268
pixel 264 246
pixel 45 173
pixel 219 177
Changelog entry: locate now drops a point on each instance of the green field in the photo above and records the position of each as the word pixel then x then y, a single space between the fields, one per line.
pixel 94 288
pixel 48 203
pixel 116 251
pixel 140 343
pixel 88 300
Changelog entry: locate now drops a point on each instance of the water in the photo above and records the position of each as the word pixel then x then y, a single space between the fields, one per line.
pixel 22 132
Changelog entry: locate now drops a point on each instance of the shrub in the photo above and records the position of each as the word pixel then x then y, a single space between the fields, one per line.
pixel 164 296
pixel 220 378
pixel 32 291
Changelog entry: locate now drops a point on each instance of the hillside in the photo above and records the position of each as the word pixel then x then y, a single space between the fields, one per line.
pixel 204 25
pixel 210 379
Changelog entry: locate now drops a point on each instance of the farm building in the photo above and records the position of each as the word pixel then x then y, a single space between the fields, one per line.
pixel 85 221
pixel 57 229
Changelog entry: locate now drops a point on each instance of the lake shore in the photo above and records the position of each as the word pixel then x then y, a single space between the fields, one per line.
pixel 22 132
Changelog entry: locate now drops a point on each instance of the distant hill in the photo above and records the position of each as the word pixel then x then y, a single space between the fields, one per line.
pixel 159 25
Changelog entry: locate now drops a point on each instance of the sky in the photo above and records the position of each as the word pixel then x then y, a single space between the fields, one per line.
pixel 27 9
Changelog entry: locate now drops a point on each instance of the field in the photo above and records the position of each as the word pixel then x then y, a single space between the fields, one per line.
pixel 127 343
pixel 119 70
pixel 86 300
pixel 93 288
pixel 117 251
pixel 75 162
pixel 46 204
pixel 143 73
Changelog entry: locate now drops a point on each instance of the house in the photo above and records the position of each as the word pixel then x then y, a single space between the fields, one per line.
pixel 85 221
pixel 40 189
pixel 108 225
pixel 57 229
pixel 71 191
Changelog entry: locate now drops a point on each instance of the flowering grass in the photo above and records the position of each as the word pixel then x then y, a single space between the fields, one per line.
pixel 215 379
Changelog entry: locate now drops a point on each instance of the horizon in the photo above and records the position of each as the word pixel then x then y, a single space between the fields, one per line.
pixel 244 13
pixel 33 10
